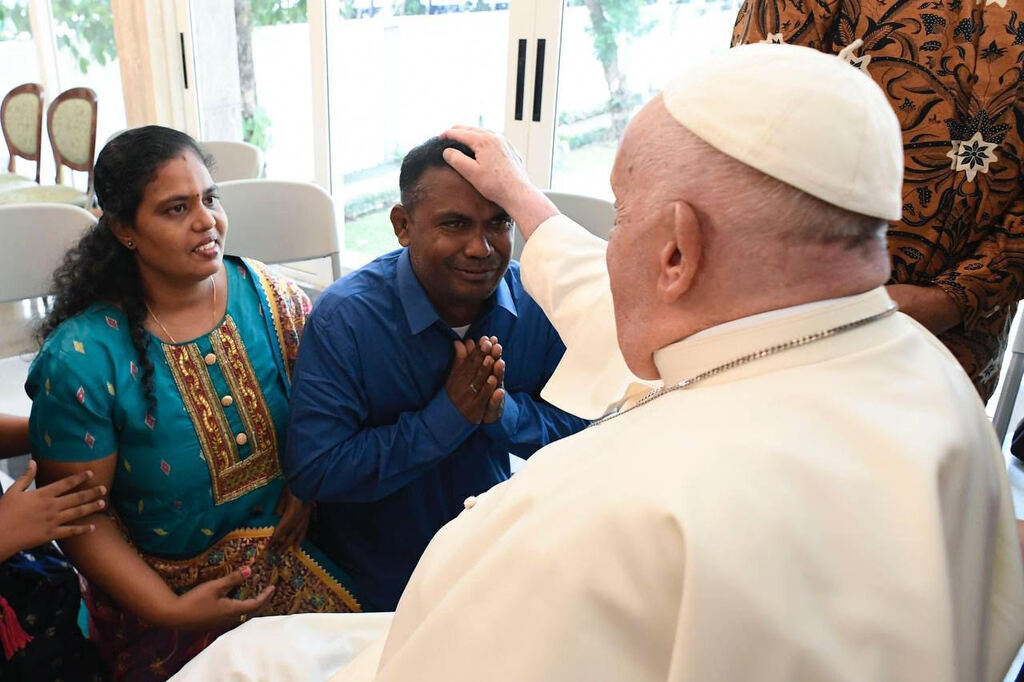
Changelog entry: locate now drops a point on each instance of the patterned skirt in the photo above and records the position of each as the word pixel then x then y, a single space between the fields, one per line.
pixel 137 651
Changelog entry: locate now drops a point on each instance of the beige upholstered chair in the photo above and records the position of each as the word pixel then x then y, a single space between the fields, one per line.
pixel 71 126
pixel 21 117
pixel 234 160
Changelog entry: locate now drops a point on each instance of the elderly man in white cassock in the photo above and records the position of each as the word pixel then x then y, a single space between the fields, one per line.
pixel 813 493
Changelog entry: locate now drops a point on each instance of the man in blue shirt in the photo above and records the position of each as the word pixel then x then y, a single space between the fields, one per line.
pixel 395 419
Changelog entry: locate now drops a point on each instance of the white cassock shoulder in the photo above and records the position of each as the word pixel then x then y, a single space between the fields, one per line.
pixel 563 269
pixel 546 577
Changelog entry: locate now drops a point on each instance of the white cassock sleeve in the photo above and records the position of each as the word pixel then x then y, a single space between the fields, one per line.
pixel 563 269
pixel 300 648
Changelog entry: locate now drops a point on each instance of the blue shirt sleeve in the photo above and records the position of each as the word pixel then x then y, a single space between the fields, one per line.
pixel 332 454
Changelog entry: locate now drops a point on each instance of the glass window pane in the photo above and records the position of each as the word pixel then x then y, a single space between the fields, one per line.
pixel 402 71
pixel 616 55
pixel 87 57
pixel 17 50
pixel 281 119
pixel 253 80
pixel 20 63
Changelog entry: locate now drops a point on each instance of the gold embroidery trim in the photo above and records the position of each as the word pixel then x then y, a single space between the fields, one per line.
pixel 339 590
pixel 275 312
pixel 243 384
pixel 230 476
pixel 184 574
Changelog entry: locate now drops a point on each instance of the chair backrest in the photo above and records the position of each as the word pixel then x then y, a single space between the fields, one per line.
pixel 234 160
pixel 596 215
pixel 71 126
pixel 281 222
pixel 37 236
pixel 1010 379
pixel 21 117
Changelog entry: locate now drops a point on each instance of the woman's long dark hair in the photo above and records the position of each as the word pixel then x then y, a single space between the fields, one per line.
pixel 101 268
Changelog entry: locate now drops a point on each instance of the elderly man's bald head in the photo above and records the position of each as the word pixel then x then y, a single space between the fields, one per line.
pixel 701 239
pixel 676 164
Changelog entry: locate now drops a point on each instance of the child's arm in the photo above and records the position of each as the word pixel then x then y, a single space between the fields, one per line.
pixel 13 436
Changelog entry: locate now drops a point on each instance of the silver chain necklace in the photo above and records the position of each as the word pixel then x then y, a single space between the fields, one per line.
pixel 750 357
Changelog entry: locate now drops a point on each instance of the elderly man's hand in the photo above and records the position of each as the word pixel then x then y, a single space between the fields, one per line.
pixel 929 305
pixel 497 172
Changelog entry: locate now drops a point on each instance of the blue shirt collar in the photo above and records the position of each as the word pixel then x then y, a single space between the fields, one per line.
pixel 420 312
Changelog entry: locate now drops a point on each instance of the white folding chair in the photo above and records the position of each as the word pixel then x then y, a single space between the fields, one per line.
pixel 36 237
pixel 281 222
pixel 596 215
pixel 1009 382
pixel 234 160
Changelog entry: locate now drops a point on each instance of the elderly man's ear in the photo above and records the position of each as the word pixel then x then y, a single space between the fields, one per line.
pixel 680 255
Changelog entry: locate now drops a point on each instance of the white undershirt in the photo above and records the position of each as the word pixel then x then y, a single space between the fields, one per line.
pixel 461 331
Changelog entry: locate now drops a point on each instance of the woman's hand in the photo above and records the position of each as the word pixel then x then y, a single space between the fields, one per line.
pixel 207 606
pixel 291 529
pixel 30 518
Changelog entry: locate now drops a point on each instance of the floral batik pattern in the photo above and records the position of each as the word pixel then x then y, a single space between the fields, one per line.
pixel 952 72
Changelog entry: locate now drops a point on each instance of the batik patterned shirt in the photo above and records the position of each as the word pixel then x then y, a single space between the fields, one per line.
pixel 952 70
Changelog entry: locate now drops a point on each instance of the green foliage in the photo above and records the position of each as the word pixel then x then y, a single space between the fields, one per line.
pixel 85 28
pixel 14 23
pixel 588 137
pixel 256 128
pixel 630 101
pixel 347 9
pixel 569 117
pixel 271 12
pixel 622 19
pixel 407 7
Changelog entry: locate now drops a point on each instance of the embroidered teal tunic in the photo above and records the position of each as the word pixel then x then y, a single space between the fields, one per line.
pixel 203 460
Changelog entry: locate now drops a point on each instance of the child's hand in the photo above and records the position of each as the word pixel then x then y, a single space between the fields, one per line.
pixel 30 518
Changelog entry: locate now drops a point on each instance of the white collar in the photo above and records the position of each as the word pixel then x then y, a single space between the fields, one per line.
pixel 725 342
pixel 767 316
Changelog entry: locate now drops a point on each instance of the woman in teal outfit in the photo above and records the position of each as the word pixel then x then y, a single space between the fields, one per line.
pixel 165 370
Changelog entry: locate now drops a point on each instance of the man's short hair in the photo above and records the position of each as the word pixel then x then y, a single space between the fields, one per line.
pixel 418 160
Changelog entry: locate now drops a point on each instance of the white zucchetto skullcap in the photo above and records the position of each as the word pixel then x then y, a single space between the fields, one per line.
pixel 801 116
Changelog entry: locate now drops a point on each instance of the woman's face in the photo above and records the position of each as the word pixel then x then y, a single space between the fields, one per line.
pixel 180 225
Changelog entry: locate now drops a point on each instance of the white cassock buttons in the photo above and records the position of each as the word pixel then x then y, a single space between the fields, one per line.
pixel 470 502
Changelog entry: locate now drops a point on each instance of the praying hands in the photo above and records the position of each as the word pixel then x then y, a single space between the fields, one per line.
pixel 476 380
